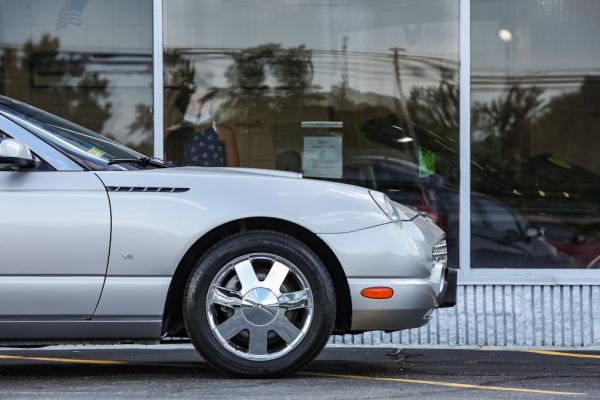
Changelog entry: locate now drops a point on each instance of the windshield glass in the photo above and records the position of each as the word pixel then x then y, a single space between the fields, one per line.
pixel 82 145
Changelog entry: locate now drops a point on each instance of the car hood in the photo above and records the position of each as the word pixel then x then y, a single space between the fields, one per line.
pixel 406 213
pixel 226 194
pixel 184 176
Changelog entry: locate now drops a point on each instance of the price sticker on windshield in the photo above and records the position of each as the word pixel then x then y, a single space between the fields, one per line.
pixel 96 152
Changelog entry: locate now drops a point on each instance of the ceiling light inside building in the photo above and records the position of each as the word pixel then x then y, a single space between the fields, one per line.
pixel 505 35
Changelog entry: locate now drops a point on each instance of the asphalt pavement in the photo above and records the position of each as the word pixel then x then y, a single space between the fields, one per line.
pixel 339 373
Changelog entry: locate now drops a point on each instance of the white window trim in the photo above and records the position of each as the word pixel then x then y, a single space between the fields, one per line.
pixel 464 123
pixel 157 72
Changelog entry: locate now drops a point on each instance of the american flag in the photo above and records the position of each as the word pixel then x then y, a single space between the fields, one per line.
pixel 70 13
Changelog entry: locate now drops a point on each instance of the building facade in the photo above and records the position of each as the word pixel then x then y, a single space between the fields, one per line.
pixel 482 114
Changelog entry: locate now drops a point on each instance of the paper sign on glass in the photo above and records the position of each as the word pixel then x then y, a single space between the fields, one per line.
pixel 322 156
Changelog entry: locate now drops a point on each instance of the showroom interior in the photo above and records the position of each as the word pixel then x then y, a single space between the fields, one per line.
pixel 484 115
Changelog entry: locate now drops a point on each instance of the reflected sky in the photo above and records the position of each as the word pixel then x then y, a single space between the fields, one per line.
pixel 353 36
pixel 549 43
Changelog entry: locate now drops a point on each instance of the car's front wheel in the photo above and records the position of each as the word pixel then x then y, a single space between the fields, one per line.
pixel 259 304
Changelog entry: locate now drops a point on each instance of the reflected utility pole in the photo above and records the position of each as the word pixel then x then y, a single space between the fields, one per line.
pixel 401 103
pixel 345 77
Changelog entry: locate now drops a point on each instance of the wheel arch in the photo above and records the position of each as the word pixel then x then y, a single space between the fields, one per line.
pixel 173 324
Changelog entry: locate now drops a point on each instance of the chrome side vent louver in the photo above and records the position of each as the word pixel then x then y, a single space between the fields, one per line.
pixel 146 189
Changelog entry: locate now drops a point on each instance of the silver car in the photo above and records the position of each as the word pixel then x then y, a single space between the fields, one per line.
pixel 256 267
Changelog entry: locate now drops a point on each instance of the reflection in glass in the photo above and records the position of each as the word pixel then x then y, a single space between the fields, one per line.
pixel 535 125
pixel 363 92
pixel 87 61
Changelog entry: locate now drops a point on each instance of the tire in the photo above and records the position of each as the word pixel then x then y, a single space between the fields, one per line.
pixel 262 325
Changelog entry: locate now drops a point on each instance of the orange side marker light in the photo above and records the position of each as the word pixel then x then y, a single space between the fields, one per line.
pixel 379 293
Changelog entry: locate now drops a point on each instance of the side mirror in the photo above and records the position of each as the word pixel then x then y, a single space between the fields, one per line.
pixel 532 231
pixel 15 155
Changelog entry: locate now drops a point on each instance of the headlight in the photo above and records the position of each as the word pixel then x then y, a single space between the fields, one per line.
pixel 386 205
pixel 440 252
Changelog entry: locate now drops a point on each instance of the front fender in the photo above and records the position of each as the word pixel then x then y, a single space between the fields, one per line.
pixel 151 231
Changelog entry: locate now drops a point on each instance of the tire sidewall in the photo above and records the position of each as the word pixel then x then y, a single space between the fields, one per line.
pixel 216 259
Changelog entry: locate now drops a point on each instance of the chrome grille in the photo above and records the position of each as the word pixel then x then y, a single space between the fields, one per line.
pixel 440 252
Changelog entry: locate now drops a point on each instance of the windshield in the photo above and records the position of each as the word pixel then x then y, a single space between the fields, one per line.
pixel 88 148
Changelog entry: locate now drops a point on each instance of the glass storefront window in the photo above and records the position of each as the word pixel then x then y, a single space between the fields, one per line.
pixel 535 110
pixel 363 92
pixel 89 61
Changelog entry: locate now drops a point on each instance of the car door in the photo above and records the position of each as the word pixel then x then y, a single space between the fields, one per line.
pixel 54 242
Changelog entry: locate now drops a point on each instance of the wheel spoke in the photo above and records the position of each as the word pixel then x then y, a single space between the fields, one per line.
pixel 232 326
pixel 247 276
pixel 276 276
pixel 294 300
pixel 258 340
pixel 285 329
pixel 226 297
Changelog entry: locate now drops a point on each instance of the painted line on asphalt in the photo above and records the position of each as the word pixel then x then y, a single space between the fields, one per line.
pixel 325 374
pixel 442 383
pixel 562 354
pixel 62 360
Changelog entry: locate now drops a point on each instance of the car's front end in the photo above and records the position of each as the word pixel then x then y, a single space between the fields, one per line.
pixel 397 272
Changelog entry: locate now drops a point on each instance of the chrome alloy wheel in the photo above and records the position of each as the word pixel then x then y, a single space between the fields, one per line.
pixel 259 306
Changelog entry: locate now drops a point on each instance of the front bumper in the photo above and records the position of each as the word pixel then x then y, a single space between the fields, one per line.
pixel 397 256
pixel 411 305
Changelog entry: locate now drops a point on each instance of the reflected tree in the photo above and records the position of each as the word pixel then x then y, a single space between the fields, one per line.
pixel 142 124
pixel 291 67
pixel 435 113
pixel 521 137
pixel 264 80
pixel 436 108
pixel 504 125
pixel 574 118
pixel 65 86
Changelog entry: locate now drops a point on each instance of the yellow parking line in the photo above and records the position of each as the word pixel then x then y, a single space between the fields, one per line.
pixel 562 354
pixel 62 360
pixel 345 376
pixel 442 383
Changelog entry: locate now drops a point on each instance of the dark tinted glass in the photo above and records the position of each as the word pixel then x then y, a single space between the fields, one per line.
pixel 535 130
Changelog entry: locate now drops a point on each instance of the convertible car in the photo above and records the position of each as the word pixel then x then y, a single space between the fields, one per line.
pixel 99 243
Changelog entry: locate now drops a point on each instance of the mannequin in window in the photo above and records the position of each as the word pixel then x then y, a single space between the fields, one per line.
pixel 198 140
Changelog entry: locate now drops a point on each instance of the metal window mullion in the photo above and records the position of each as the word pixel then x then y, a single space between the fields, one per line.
pixel 465 137
pixel 157 63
